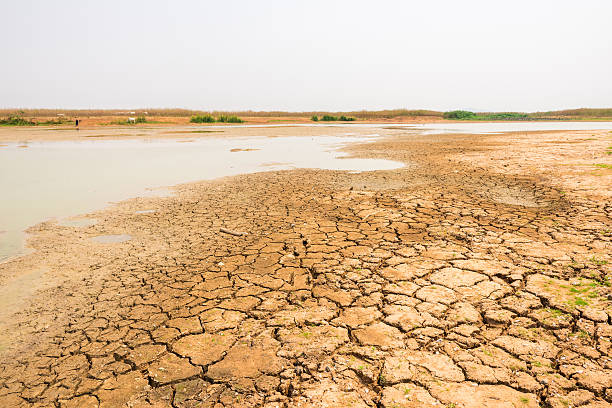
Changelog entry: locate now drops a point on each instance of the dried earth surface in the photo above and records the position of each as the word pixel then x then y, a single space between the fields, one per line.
pixel 477 276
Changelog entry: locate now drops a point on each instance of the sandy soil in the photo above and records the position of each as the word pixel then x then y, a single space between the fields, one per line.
pixel 35 134
pixel 477 276
pixel 103 124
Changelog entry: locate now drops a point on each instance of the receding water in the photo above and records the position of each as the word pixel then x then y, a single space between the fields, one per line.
pixel 78 222
pixel 65 178
pixel 44 180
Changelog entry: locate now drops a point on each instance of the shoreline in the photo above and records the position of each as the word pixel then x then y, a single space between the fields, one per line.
pixel 427 264
pixel 10 134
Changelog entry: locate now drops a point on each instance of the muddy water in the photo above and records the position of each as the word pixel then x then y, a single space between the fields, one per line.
pixel 43 180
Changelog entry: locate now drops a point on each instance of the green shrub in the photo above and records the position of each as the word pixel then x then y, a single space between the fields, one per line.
pixel 229 119
pixel 141 119
pixel 503 116
pixel 329 118
pixel 16 120
pixel 346 119
pixel 202 119
pixel 459 114
pixel 314 118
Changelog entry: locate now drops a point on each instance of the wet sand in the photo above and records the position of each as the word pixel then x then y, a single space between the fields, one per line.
pixel 479 275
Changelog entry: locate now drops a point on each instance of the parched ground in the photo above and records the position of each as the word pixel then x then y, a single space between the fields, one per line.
pixel 477 276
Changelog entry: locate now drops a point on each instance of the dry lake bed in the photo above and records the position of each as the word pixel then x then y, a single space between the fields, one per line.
pixel 442 265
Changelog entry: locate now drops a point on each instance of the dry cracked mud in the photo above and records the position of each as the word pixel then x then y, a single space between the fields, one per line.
pixel 448 283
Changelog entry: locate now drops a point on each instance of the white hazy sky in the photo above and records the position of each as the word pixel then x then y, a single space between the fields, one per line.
pixel 307 55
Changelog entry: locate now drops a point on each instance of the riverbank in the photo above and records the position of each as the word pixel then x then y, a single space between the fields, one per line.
pixel 479 275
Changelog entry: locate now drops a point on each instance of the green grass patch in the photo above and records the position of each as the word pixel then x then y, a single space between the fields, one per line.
pixel 603 166
pixel 599 262
pixel 576 290
pixel 578 301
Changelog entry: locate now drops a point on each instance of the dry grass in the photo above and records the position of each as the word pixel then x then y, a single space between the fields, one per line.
pixel 383 114
pixel 582 113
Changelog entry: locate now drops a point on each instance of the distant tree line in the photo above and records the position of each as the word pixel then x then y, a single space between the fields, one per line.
pixel 467 115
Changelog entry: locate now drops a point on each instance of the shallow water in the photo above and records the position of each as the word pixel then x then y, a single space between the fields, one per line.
pixel 79 222
pixel 60 179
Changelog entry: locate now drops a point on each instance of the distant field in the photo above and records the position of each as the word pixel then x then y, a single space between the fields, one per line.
pixel 29 117
pixel 387 114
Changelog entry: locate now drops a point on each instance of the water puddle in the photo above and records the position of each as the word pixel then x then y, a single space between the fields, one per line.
pixel 144 211
pixel 79 222
pixel 111 239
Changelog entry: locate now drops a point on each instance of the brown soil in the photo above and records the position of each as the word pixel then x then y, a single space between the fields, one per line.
pixel 477 276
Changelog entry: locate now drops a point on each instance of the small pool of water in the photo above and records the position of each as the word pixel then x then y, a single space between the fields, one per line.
pixel 78 222
pixel 111 239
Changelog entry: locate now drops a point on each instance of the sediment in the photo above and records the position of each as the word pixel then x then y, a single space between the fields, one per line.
pixel 465 279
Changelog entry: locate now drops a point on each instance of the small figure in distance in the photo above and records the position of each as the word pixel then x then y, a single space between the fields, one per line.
pixel 76 122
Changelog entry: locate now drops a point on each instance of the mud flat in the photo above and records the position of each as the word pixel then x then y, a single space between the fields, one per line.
pixel 477 276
